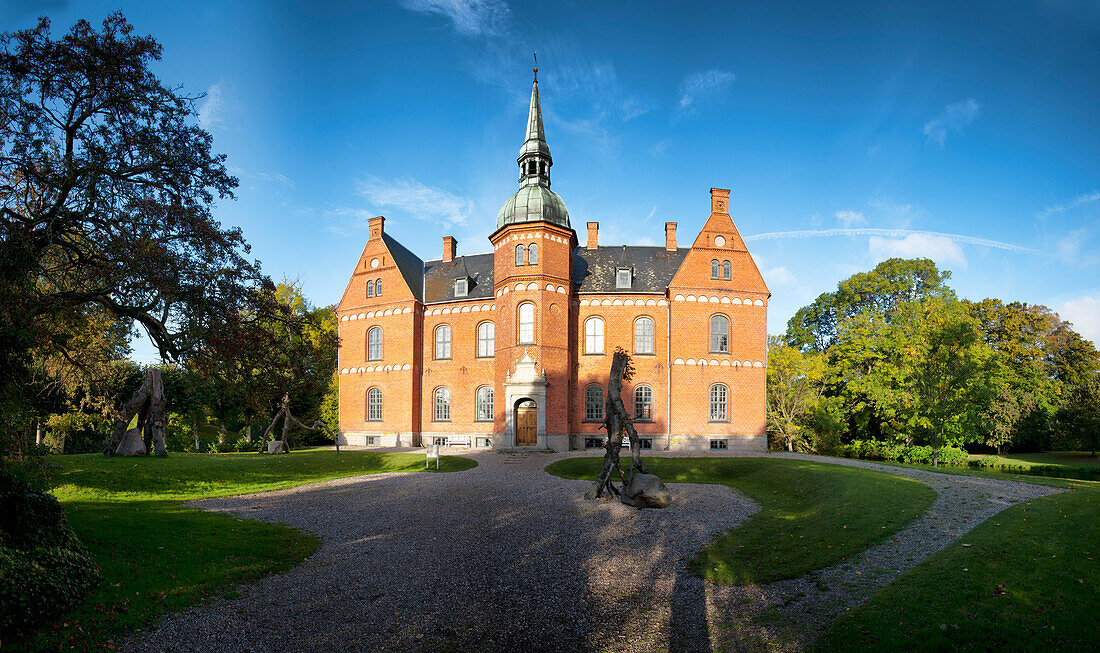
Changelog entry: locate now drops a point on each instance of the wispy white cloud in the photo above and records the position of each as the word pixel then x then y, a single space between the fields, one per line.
pixel 849 218
pixel 941 249
pixel 417 200
pixel 1080 200
pixel 779 276
pixel 890 233
pixel 953 118
pixel 469 17
pixel 1084 314
pixel 702 88
pixel 211 113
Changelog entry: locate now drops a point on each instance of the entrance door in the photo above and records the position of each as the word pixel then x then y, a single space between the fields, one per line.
pixel 527 419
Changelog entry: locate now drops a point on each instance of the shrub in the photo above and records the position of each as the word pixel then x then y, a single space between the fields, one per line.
pixel 888 451
pixel 44 569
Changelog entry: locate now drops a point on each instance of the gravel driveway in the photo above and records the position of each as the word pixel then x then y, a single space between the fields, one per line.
pixel 505 557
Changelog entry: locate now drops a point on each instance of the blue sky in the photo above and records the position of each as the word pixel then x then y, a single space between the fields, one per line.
pixel 848 132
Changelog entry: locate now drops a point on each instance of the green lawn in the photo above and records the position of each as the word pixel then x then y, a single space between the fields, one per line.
pixel 812 514
pixel 1025 580
pixel 159 556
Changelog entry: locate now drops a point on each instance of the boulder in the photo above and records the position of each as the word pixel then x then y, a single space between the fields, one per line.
pixel 132 444
pixel 645 491
pixel 275 446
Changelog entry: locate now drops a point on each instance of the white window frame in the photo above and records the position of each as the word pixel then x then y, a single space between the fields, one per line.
pixel 644 345
pixel 719 403
pixel 374 401
pixel 593 335
pixel 719 346
pixel 484 403
pixel 442 349
pixel 593 403
pixel 486 340
pixel 441 401
pixel 525 324
pixel 643 403
pixel 374 348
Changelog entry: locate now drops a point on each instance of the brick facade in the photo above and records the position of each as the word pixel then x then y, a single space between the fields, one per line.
pixel 669 306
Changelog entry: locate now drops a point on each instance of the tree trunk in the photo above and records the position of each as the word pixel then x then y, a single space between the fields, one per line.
pixel 617 422
pixel 148 404
pixel 248 433
pixel 935 456
pixel 790 444
pixel 38 432
pixel 195 432
pixel 223 437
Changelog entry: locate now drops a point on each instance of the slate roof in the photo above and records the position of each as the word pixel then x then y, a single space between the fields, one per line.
pixel 439 278
pixel 409 264
pixel 594 269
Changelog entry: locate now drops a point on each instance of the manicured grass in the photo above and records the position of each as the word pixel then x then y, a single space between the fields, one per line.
pixel 1047 459
pixel 812 514
pixel 158 555
pixel 1025 580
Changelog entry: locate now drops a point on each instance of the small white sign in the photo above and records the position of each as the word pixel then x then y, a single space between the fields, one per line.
pixel 433 452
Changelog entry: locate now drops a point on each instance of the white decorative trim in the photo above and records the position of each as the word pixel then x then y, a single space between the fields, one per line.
pixel 520 286
pixel 617 302
pixel 758 364
pixel 678 361
pixel 662 302
pixel 679 298
pixel 561 289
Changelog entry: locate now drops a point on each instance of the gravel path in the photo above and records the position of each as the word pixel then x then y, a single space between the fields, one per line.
pixel 505 557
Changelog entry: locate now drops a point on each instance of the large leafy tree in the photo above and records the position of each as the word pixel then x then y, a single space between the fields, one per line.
pixel 107 187
pixel 879 292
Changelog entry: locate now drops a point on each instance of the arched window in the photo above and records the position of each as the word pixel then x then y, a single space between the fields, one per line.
pixel 378 288
pixel 485 404
pixel 519 254
pixel 526 323
pixel 726 270
pixel 593 336
pixel 593 403
pixel 374 344
pixel 532 254
pixel 719 333
pixel 714 269
pixel 486 339
pixel 443 341
pixel 718 403
pixel 442 405
pixel 374 405
pixel 643 402
pixel 370 289
pixel 643 336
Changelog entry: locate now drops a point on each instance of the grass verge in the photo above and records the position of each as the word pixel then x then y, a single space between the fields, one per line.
pixel 1025 580
pixel 159 556
pixel 812 514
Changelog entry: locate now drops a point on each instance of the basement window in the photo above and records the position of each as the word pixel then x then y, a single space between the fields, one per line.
pixel 719 445
pixel 373 441
pixel 645 443
pixel 439 441
pixel 593 443
pixel 483 442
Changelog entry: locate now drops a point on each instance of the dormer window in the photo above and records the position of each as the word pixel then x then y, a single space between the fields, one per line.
pixel 624 278
pixel 462 287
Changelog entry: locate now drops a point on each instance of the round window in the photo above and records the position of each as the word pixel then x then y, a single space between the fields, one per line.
pixel 719 241
pixel 375 263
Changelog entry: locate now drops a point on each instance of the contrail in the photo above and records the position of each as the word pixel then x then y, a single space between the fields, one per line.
pixel 890 233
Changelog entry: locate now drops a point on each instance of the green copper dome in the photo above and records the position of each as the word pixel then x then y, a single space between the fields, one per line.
pixel 531 204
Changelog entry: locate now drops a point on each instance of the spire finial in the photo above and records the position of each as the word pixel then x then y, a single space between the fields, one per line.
pixel 536 68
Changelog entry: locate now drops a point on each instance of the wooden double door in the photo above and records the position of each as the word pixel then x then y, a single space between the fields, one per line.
pixel 527 421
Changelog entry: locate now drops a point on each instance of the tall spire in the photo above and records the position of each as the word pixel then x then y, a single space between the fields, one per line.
pixel 534 156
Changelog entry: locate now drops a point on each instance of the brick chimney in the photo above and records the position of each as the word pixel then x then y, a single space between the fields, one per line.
pixel 450 248
pixel 670 236
pixel 720 200
pixel 375 226
pixel 593 227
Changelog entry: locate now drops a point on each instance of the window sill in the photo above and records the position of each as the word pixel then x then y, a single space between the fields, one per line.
pixel 441 421
pixel 442 359
pixel 593 353
pixel 641 354
pixel 592 421
pixel 643 421
pixel 490 356
pixel 483 421
pixel 719 421
pixel 719 352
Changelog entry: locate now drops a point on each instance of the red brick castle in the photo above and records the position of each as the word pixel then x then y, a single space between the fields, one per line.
pixel 511 350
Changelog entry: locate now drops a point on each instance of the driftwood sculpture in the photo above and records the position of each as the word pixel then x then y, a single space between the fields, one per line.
pixel 283 445
pixel 640 488
pixel 149 405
